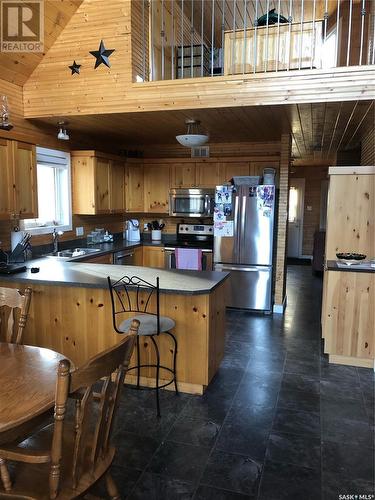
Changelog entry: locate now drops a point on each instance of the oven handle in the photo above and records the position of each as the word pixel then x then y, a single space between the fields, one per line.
pixel 169 249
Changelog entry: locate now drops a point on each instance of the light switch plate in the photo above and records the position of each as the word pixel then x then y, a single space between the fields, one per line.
pixel 79 231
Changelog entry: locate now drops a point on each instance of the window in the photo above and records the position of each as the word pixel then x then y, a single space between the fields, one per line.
pixel 54 193
pixel 329 51
pixel 293 204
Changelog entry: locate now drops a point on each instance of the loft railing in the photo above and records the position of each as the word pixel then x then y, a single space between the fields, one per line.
pixel 174 39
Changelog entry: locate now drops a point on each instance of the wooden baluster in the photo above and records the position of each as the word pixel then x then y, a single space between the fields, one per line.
pixel 62 389
pixel 4 474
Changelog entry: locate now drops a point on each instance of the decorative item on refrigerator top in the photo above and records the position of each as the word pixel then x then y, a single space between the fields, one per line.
pixel 269 176
pixel 243 239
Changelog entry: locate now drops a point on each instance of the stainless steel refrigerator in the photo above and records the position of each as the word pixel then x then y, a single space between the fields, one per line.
pixel 243 243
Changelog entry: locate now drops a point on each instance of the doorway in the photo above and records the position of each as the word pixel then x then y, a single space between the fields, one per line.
pixel 295 217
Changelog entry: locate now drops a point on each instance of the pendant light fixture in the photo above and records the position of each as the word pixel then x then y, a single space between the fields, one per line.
pixel 63 134
pixel 194 137
pixel 4 114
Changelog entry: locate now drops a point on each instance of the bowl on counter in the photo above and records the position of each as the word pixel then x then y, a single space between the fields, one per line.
pixel 350 258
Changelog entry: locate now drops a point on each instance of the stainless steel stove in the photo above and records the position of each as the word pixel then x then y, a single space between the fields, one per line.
pixel 191 236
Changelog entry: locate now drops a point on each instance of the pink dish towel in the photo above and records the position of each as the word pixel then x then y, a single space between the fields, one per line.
pixel 189 258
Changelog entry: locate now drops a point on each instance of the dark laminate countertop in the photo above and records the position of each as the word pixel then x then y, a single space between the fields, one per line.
pixel 86 275
pixel 332 265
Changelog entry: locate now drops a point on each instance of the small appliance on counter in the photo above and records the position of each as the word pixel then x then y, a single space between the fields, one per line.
pixel 132 230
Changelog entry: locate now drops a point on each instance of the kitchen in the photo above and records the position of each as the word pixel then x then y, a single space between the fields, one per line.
pixel 272 402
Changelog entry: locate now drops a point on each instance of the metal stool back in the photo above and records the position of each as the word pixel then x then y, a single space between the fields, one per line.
pixel 131 294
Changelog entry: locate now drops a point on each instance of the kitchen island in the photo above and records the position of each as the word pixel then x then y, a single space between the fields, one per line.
pixel 348 314
pixel 71 313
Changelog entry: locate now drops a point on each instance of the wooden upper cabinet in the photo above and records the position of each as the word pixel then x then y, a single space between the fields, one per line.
pixel 208 174
pixel 102 185
pixel 117 186
pixel 18 184
pixel 183 175
pixel 98 183
pixel 6 179
pixel 232 169
pixel 134 184
pixel 156 188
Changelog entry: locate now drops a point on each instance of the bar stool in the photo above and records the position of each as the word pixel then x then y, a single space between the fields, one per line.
pixel 131 294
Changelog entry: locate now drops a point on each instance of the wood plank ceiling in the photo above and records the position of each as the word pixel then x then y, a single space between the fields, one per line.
pixel 17 67
pixel 318 130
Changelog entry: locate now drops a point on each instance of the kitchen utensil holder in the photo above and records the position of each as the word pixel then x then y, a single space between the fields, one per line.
pixel 18 255
pixel 156 235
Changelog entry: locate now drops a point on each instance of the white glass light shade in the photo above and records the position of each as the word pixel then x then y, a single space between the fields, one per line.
pixel 192 140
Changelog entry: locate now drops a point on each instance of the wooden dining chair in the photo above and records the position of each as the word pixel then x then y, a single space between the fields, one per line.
pixel 14 310
pixel 63 460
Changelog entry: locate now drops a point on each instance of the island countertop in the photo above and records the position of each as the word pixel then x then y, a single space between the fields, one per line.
pixel 86 275
pixel 334 265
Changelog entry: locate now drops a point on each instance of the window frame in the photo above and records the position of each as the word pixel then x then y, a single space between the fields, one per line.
pixel 47 157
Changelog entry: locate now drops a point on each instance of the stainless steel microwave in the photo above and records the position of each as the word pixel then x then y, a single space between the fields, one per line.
pixel 191 202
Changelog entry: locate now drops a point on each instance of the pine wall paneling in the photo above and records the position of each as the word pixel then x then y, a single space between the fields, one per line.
pixel 113 87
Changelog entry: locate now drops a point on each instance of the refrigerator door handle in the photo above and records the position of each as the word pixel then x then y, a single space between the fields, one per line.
pixel 236 231
pixel 242 230
pixel 241 268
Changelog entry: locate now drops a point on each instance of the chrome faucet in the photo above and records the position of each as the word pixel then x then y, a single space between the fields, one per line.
pixel 55 240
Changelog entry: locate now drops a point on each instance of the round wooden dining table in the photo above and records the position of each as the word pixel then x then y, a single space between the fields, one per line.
pixel 27 385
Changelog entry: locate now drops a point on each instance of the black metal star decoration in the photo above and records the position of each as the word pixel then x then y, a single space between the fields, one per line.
pixel 75 68
pixel 102 55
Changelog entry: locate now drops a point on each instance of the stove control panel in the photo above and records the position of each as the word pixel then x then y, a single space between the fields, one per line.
pixel 195 229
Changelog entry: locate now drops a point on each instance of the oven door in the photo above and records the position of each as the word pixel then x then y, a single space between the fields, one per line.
pixel 170 259
pixel 190 205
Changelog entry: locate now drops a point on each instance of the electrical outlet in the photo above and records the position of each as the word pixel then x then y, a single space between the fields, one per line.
pixel 79 231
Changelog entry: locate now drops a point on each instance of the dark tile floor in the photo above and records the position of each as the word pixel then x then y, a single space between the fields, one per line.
pixel 277 421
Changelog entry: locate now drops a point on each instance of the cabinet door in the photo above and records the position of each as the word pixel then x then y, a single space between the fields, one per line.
pixel 102 174
pixel 208 174
pixel 6 179
pixel 138 256
pixel 153 257
pixel 25 185
pixel 183 175
pixel 84 191
pixel 232 169
pixel 134 183
pixel 100 259
pixel 157 182
pixel 117 187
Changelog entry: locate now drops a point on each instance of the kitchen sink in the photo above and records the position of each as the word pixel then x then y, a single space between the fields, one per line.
pixel 72 254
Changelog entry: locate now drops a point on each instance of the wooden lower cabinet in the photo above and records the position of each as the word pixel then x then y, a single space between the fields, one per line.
pixel 154 257
pixel 82 327
pixel 100 259
pixel 348 317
